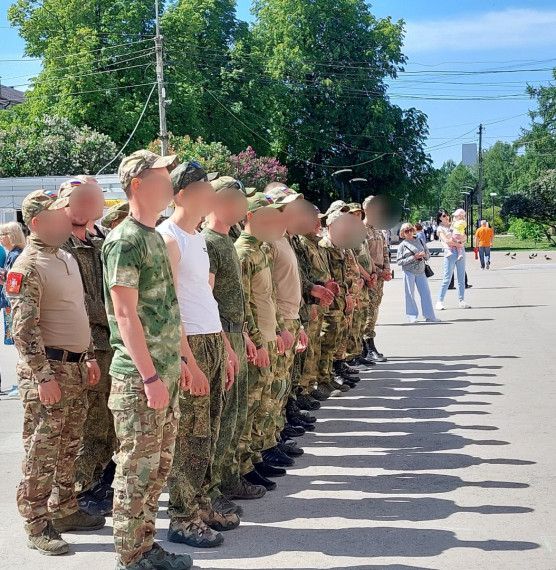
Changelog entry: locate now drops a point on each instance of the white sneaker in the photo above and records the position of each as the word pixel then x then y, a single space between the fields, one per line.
pixel 464 305
pixel 439 306
pixel 411 319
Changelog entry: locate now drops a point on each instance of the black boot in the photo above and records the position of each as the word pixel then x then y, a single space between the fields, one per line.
pixel 255 478
pixel 348 369
pixel 373 353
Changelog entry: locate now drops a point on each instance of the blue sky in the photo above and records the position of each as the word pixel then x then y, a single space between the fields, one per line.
pixel 516 39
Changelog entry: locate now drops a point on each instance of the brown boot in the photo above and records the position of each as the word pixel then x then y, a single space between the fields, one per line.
pixel 48 541
pixel 219 521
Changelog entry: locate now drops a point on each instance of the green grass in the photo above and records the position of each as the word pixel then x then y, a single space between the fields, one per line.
pixel 511 243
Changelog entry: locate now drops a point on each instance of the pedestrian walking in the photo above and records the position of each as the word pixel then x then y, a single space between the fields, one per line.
pixel 484 237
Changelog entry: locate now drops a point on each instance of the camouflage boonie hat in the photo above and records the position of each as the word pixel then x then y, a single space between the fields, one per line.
pixel 40 200
pixel 334 215
pixel 355 207
pixel 116 212
pixel 260 200
pixel 141 160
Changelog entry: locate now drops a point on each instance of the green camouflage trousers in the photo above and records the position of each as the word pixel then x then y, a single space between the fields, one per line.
pixel 225 468
pixel 331 337
pixel 354 346
pixel 51 438
pixel 99 438
pixel 281 385
pixel 375 298
pixel 310 365
pixel 146 448
pixel 191 473
pixel 252 440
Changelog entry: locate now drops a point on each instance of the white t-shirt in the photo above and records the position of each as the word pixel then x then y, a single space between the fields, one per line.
pixel 448 233
pixel 198 308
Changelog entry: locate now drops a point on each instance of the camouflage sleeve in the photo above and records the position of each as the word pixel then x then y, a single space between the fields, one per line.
pixel 269 250
pixel 386 253
pixel 252 328
pixel 279 318
pixel 122 264
pixel 26 330
pixel 304 264
pixel 214 258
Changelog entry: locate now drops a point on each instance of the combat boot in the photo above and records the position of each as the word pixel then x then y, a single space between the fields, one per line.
pixel 163 560
pixel 345 369
pixel 291 450
pixel 269 471
pixel 220 522
pixel 298 421
pixel 322 392
pixel 306 402
pixel 79 520
pixel 194 533
pixel 90 503
pixel 293 431
pixel 255 478
pixel 337 383
pixel 224 505
pixel 372 351
pixel 276 458
pixel 142 564
pixel 48 541
pixel 246 491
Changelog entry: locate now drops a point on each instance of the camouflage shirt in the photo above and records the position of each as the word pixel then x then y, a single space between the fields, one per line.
pixel 336 262
pixel 352 273
pixel 315 263
pixel 364 257
pixel 226 268
pixel 135 256
pixel 87 255
pixel 260 298
pixel 378 248
pixel 48 308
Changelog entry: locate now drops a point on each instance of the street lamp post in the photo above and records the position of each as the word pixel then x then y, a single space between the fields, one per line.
pixel 492 195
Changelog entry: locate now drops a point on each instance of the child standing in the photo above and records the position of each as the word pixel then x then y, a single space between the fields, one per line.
pixel 458 231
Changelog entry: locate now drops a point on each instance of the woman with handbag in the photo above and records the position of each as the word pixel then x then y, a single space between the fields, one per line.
pixel 412 257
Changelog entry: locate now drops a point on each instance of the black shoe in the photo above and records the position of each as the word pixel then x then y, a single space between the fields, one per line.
pixel 337 386
pixel 293 415
pixel 468 286
pixel 267 470
pixel 348 369
pixel 255 478
pixel 94 506
pixel 102 491
pixel 276 458
pixel 363 362
pixel 293 431
pixel 307 417
pixel 291 451
pixel 322 393
pixel 350 383
pixel 373 353
pixel 451 287
pixel 298 421
pixel 287 440
pixel 306 402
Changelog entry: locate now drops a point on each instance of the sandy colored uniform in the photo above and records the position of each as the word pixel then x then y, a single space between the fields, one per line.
pixel 381 259
pixel 48 307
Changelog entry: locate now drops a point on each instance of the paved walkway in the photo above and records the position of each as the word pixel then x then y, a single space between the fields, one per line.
pixel 442 459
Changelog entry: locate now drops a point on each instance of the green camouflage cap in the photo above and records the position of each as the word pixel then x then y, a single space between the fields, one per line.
pixel 259 200
pixel 283 195
pixel 337 205
pixel 115 212
pixel 39 200
pixel 141 160
pixel 334 215
pixel 67 187
pixel 355 207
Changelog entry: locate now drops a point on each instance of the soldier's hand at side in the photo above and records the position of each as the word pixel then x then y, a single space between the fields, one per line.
pixel 186 377
pixel 373 280
pixel 262 360
pixel 333 286
pixel 303 341
pixel 157 395
pixel 230 374
pixel 251 349
pixel 288 339
pixel 233 359
pixel 199 383
pixel 322 293
pixel 361 283
pixel 386 275
pixel 50 393
pixel 349 303
pixel 279 344
pixel 314 312
pixel 94 372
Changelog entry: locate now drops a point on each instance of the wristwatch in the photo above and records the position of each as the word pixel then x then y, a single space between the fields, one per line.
pixel 184 359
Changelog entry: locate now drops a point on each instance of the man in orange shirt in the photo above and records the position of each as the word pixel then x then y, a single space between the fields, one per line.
pixel 484 238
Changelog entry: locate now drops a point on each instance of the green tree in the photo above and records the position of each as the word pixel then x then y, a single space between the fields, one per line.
pixel 499 170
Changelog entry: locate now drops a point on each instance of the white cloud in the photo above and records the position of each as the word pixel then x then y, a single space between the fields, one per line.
pixel 512 28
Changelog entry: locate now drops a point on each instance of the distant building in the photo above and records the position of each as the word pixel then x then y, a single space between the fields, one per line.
pixel 10 97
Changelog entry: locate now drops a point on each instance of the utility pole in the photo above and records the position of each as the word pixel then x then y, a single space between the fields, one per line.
pixel 480 182
pixel 162 103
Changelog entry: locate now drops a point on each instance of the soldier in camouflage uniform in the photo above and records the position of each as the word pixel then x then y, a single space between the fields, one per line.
pixel 381 260
pixel 193 521
pixel 86 202
pixel 56 365
pixel 225 276
pixel 263 319
pixel 147 373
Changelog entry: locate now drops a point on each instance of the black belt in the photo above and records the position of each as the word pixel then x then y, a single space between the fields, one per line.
pixel 232 327
pixel 65 355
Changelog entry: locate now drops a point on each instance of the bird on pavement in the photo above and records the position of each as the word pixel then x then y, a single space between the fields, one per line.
pixel 534 254
pixel 548 258
pixel 514 255
pixel 531 257
pixel 509 253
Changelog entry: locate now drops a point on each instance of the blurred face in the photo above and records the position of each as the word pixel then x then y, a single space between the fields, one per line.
pixel 5 241
pixel 52 226
pixel 153 189
pixel 86 203
pixel 300 217
pixel 347 232
pixel 266 224
pixel 383 212
pixel 357 214
pixel 230 206
pixel 445 219
pixel 198 198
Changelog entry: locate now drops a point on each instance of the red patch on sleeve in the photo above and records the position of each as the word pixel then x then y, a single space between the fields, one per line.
pixel 13 282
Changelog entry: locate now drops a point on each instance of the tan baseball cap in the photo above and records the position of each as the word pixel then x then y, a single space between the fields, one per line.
pixel 338 205
pixel 334 215
pixel 260 200
pixel 141 160
pixel 355 207
pixel 39 200
pixel 283 195
pixel 116 212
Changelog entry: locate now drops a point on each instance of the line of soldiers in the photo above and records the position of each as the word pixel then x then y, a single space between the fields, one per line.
pixel 193 349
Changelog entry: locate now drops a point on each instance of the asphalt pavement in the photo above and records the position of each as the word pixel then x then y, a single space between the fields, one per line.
pixel 441 459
